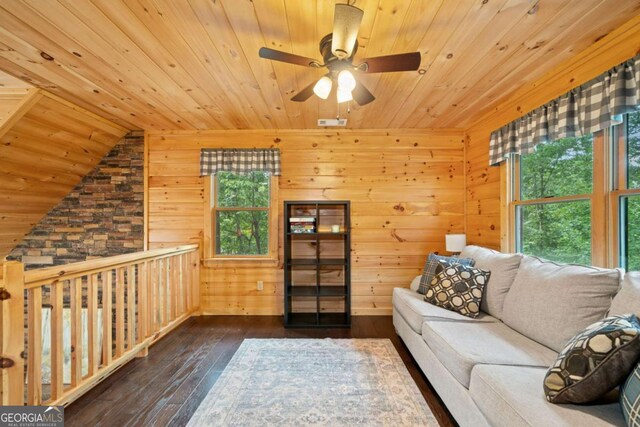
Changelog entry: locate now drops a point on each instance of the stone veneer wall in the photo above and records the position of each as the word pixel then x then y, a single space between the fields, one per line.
pixel 102 216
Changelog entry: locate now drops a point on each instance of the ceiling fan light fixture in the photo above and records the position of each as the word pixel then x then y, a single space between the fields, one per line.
pixel 346 81
pixel 323 87
pixel 346 23
pixel 344 95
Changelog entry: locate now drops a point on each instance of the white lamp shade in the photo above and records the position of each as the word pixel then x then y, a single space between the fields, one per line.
pixel 456 242
pixel 323 87
pixel 346 81
pixel 344 95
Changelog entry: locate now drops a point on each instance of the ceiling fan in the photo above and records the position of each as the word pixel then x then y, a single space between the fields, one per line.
pixel 338 49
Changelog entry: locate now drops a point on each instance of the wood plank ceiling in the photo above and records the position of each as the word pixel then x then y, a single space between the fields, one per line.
pixel 193 64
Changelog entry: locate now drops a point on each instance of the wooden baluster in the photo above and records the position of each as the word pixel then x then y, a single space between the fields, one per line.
pixel 183 285
pixel 143 294
pixel 186 275
pixel 57 350
pixel 160 306
pixel 131 306
pixel 120 312
pixel 196 279
pixel 76 330
pixel 175 279
pixel 168 293
pixel 153 294
pixel 107 317
pixel 34 356
pixel 176 285
pixel 92 323
pixel 13 333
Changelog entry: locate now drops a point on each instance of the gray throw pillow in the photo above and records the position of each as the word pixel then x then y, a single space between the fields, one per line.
pixel 430 266
pixel 550 302
pixel 595 361
pixel 627 300
pixel 458 288
pixel 503 268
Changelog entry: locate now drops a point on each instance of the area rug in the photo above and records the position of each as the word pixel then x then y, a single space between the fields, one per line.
pixel 314 382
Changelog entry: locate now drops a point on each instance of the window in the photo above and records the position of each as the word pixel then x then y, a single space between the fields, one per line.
pixel 552 201
pixel 578 199
pixel 627 191
pixel 243 216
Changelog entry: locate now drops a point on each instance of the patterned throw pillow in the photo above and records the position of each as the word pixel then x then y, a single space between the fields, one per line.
pixel 595 361
pixel 458 287
pixel 430 266
pixel 630 398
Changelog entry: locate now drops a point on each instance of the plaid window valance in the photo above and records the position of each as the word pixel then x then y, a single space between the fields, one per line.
pixel 240 161
pixel 591 107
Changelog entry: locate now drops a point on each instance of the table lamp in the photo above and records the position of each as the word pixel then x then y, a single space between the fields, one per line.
pixel 456 242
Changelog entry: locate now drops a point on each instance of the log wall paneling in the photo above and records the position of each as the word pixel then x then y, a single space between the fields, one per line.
pixel 486 219
pixel 46 146
pixel 193 64
pixel 406 190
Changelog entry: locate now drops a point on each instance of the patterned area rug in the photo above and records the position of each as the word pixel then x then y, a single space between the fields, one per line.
pixel 314 382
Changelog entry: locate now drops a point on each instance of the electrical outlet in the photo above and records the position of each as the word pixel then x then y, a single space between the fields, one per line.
pixel 260 285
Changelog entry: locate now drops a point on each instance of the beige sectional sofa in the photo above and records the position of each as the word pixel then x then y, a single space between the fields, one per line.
pixel 490 370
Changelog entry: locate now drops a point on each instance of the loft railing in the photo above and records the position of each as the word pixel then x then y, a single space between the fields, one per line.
pixel 64 329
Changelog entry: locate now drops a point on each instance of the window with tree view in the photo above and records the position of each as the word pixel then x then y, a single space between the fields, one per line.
pixel 629 193
pixel 241 213
pixel 553 200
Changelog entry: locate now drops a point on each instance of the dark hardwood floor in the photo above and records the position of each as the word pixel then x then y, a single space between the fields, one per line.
pixel 166 387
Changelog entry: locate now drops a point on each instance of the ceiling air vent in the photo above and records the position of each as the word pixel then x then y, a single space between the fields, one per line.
pixel 332 122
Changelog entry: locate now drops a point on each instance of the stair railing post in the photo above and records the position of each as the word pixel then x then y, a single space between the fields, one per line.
pixel 12 334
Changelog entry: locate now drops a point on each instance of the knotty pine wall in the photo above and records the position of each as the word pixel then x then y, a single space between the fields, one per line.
pixel 406 190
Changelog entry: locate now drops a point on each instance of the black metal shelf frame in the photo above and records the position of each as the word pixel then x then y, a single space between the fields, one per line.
pixel 317 291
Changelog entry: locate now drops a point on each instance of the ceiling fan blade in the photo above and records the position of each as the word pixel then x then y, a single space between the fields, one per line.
pixel 278 55
pixel 304 94
pixel 346 24
pixel 384 64
pixel 361 94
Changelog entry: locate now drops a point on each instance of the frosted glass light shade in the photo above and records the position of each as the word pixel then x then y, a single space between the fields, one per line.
pixel 456 242
pixel 323 87
pixel 346 81
pixel 346 23
pixel 344 95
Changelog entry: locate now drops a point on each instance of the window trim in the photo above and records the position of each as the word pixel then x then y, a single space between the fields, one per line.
pixel 210 257
pixel 597 199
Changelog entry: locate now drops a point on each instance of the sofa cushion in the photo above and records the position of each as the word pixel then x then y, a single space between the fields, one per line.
pixel 503 268
pixel 627 300
pixel 458 288
pixel 550 302
pixel 512 396
pixel 415 310
pixel 431 265
pixel 595 361
pixel 462 345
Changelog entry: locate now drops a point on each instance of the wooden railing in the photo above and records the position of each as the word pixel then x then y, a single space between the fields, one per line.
pixel 66 328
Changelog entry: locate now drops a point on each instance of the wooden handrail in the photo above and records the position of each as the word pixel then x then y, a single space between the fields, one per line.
pixel 140 297
pixel 34 278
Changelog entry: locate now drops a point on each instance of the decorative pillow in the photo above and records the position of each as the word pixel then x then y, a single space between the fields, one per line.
pixel 503 268
pixel 595 361
pixel 458 288
pixel 630 398
pixel 551 303
pixel 431 265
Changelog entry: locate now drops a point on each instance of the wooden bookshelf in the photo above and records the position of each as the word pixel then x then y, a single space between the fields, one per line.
pixel 317 269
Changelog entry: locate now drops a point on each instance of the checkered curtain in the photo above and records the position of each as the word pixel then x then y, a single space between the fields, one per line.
pixel 593 106
pixel 240 161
